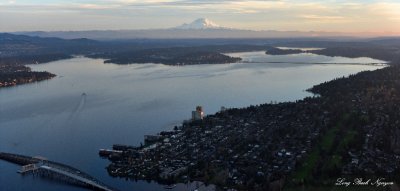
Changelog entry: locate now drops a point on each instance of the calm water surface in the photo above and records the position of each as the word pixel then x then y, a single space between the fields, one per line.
pixel 91 105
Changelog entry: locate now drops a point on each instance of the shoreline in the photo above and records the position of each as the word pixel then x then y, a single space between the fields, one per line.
pixel 50 75
pixel 241 136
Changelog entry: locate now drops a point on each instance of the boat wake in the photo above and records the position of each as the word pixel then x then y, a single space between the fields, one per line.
pixel 79 107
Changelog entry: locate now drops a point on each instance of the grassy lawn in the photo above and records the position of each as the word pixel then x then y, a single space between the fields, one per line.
pixel 335 160
pixel 326 144
pixel 348 138
pixel 329 138
pixel 303 173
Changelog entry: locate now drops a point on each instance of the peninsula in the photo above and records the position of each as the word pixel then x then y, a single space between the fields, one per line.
pixel 11 75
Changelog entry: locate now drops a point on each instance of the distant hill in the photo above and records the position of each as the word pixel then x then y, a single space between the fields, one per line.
pixel 198 29
pixel 17 45
pixel 388 41
pixel 179 33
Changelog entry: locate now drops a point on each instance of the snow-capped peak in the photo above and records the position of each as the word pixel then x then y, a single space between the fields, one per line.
pixel 201 23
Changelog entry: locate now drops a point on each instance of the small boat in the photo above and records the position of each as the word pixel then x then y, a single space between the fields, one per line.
pixel 170 186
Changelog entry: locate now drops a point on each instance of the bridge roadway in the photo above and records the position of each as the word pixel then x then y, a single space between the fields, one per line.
pixel 75 177
pixel 47 166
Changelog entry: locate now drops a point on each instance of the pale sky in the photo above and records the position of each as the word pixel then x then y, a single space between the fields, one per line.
pixel 304 15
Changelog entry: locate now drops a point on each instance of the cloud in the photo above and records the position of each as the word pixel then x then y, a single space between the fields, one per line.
pixel 336 15
pixel 94 6
pixel 323 18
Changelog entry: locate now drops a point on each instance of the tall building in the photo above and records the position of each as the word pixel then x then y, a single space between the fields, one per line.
pixel 198 114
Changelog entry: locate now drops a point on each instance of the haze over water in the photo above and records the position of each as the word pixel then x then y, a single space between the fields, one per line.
pixel 91 105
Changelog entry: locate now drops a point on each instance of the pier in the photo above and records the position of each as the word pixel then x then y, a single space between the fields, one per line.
pixel 54 170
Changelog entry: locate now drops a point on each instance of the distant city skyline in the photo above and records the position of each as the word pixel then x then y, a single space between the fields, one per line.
pixel 286 15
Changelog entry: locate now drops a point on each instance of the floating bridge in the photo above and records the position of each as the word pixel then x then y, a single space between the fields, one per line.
pixel 54 170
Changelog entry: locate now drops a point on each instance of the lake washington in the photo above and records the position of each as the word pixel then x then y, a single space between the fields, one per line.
pixel 91 105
